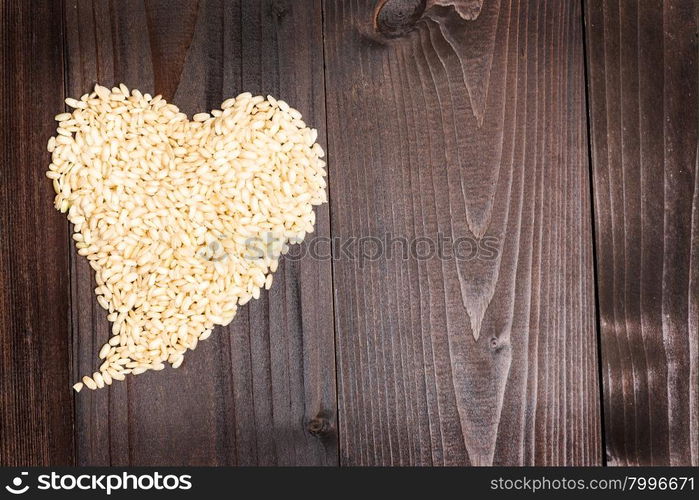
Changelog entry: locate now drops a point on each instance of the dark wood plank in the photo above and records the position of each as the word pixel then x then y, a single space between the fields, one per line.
pixel 36 412
pixel 261 391
pixel 642 59
pixel 472 125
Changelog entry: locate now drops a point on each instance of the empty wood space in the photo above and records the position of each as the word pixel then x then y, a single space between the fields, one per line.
pixel 643 114
pixel 507 271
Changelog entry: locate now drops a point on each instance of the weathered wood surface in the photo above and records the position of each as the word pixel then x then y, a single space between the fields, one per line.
pixel 445 119
pixel 35 398
pixel 642 60
pixel 255 390
pixel 472 127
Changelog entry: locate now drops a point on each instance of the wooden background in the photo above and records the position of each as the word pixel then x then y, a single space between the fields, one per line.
pixel 564 133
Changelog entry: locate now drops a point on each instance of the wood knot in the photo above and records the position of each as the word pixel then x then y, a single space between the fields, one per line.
pixel 396 18
pixel 319 427
pixel 279 10
pixel 499 345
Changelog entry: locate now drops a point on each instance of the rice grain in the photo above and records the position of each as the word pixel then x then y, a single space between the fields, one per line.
pixel 171 213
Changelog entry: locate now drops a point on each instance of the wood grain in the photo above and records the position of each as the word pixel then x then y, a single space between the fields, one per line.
pixel 452 125
pixel 35 399
pixel 642 62
pixel 469 127
pixel 261 391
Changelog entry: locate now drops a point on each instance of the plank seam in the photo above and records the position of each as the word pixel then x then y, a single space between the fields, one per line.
pixel 593 233
pixel 330 231
pixel 64 55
